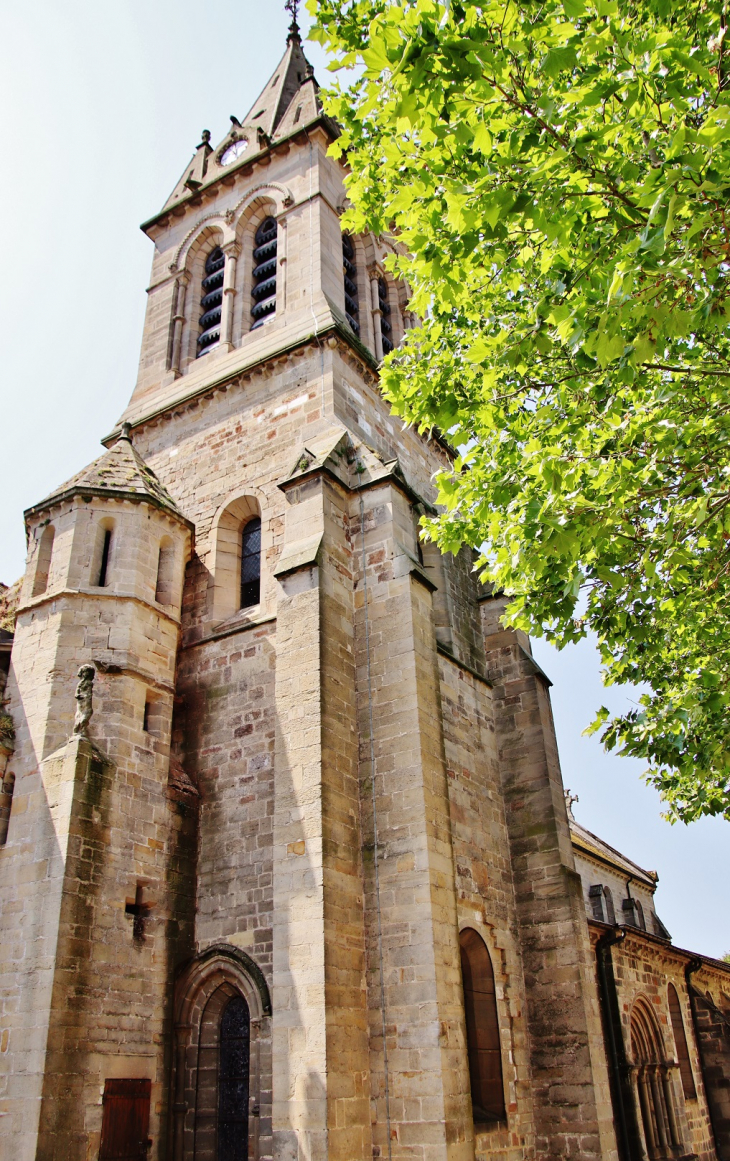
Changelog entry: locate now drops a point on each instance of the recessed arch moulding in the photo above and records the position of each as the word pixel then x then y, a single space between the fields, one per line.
pixel 225 554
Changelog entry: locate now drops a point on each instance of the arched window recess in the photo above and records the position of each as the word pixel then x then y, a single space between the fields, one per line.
pixel 680 1041
pixel 482 1029
pixel 264 273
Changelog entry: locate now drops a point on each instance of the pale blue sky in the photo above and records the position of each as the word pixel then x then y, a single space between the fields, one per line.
pixel 101 106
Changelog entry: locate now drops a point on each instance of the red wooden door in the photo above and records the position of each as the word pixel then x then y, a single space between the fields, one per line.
pixel 126 1120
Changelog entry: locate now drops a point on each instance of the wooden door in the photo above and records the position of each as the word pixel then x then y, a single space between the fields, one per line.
pixel 126 1120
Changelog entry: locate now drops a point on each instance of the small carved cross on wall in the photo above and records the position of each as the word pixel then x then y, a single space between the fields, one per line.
pixel 140 911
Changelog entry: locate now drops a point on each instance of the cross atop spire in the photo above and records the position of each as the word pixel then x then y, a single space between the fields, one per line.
pixel 292 6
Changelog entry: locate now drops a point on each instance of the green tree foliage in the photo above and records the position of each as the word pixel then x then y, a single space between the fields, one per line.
pixel 557 174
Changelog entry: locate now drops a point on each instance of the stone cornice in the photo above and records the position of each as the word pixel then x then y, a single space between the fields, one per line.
pixel 102 594
pixel 106 494
pixel 657 944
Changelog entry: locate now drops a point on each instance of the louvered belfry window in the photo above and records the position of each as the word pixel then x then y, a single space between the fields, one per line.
pixel 251 563
pixel 350 276
pixel 264 273
pixel 211 302
pixel 386 329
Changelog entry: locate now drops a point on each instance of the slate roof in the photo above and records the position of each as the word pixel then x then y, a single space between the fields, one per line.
pixel 590 844
pixel 120 472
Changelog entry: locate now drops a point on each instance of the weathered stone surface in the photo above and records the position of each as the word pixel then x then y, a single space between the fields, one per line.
pixel 302 801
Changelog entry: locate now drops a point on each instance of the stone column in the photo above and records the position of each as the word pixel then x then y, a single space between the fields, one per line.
pixel 178 323
pixel 231 251
pixel 376 313
pixel 668 1087
pixel 646 1109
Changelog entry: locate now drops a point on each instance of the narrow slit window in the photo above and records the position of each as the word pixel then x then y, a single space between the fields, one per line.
pixel 43 567
pixel 106 548
pixel 386 330
pixel 349 270
pixel 610 909
pixel 211 302
pixel 165 563
pixel 482 1029
pixel 251 563
pixel 264 273
pixel 146 716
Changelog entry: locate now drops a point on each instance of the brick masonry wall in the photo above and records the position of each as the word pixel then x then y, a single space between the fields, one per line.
pixel 645 968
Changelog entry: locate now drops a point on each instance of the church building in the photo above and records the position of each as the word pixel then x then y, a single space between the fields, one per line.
pixel 286 870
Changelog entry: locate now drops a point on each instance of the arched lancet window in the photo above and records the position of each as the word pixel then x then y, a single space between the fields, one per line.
pixel 654 1084
pixel 251 563
pixel 482 1029
pixel 640 915
pixel 264 273
pixel 233 1081
pixel 680 1041
pixel 352 309
pixel 212 301
pixel 386 329
pixel 43 565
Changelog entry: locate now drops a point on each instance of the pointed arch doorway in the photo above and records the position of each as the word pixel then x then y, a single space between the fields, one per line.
pixel 221 1021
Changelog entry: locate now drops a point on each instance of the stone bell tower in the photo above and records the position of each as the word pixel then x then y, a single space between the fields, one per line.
pixel 301 886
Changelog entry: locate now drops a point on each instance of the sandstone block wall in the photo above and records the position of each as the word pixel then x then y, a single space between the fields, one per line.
pixel 92 830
